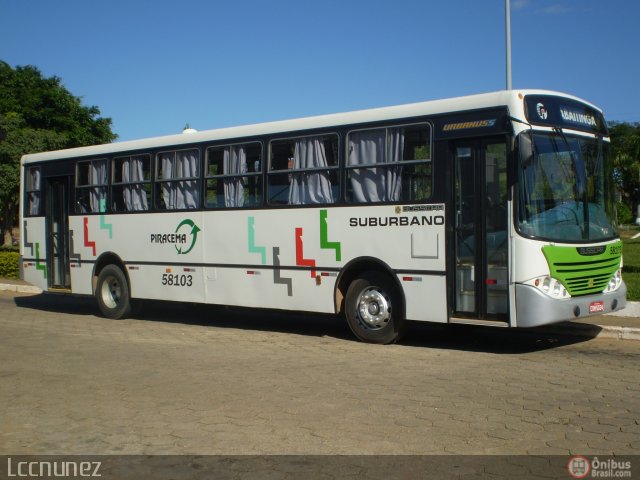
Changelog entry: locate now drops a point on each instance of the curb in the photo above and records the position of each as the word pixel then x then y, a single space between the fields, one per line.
pixel 10 287
pixel 566 328
pixel 592 331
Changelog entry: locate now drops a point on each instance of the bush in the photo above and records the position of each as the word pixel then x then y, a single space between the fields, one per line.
pixel 9 264
pixel 625 216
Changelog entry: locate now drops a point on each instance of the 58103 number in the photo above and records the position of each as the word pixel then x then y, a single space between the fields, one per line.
pixel 177 280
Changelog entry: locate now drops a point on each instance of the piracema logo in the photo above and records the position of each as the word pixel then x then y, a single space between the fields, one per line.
pixel 183 239
pixel 193 231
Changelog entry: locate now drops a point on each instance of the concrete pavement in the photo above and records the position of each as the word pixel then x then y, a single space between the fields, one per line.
pixel 210 380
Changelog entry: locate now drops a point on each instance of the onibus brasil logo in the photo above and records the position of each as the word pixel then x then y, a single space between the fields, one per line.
pixel 183 239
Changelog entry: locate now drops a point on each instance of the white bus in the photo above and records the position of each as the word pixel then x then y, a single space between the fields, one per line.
pixel 493 209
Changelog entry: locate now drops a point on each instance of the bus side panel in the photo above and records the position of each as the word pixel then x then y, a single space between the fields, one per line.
pixel 290 258
pixel 81 258
pixel 425 297
pixel 269 258
pixel 34 252
pixel 162 253
pixel 281 258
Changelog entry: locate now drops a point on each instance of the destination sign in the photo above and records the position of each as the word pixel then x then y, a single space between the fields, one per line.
pixel 551 111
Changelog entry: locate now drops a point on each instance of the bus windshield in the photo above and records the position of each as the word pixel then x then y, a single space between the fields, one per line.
pixel 565 188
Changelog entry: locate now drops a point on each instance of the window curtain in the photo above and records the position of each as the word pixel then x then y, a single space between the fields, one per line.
pixel 175 165
pixel 34 195
pixel 135 196
pixel 310 187
pixel 376 184
pixel 234 163
pixel 97 176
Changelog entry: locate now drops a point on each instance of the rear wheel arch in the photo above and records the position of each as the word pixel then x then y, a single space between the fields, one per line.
pixel 112 287
pixel 356 268
pixel 108 258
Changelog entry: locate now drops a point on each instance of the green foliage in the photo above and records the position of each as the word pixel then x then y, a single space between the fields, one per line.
pixel 625 152
pixel 9 262
pixel 631 268
pixel 39 114
pixel 625 216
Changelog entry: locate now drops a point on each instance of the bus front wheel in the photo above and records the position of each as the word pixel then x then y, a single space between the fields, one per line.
pixel 373 309
pixel 112 293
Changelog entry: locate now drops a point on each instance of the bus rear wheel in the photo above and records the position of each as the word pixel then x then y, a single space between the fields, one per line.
pixel 112 293
pixel 373 309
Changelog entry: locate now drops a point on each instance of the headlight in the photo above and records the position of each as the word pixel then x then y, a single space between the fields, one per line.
pixel 551 287
pixel 615 281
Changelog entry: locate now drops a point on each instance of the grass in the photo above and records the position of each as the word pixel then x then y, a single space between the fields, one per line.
pixel 631 256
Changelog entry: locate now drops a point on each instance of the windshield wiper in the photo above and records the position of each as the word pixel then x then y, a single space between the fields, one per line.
pixel 579 166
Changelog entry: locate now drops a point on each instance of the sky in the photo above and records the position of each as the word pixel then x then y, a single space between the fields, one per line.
pixel 154 66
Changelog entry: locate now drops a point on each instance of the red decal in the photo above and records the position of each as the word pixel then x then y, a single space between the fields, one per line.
pixel 87 243
pixel 300 260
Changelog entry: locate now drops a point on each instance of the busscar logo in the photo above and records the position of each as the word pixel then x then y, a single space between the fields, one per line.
pixel 183 239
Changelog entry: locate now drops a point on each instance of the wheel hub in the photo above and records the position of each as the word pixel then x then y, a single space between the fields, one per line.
pixel 111 292
pixel 374 308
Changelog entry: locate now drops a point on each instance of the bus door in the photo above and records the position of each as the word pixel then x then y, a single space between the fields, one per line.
pixel 479 260
pixel 57 215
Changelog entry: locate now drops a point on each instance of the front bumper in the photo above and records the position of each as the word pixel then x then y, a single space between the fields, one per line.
pixel 534 308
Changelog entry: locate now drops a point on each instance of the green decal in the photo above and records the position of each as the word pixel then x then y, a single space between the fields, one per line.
pixel 252 241
pixel 42 267
pixel 583 270
pixel 104 225
pixel 194 235
pixel 324 242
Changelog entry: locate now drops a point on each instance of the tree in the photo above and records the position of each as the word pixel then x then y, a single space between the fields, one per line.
pixel 625 152
pixel 38 114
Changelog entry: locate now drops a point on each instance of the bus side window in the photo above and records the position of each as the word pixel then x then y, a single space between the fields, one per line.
pixel 177 180
pixel 304 171
pixel 91 186
pixel 131 180
pixel 389 164
pixel 32 191
pixel 233 176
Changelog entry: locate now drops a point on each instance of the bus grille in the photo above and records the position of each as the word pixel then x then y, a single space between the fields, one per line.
pixel 582 274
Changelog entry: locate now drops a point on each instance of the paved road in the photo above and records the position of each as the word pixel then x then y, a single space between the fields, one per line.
pixel 180 380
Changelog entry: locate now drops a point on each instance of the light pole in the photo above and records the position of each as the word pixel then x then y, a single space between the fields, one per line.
pixel 508 29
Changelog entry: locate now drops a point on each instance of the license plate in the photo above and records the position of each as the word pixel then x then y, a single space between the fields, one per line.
pixel 596 307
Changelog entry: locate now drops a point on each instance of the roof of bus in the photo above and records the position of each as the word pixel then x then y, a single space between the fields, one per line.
pixel 450 105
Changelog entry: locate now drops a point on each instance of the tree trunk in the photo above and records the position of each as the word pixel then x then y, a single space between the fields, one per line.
pixel 8 223
pixel 8 238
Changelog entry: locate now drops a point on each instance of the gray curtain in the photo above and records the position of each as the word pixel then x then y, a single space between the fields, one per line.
pixel 33 202
pixel 234 163
pixel 97 176
pixel 177 165
pixel 376 183
pixel 310 187
pixel 135 196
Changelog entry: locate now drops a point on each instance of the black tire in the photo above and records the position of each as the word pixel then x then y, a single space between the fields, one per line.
pixel 112 293
pixel 373 309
